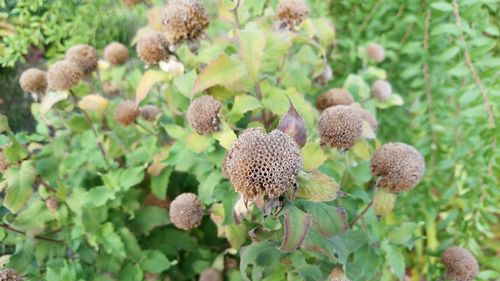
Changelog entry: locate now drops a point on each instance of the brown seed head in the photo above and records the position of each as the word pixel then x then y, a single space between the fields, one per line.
pixel 4 165
pixel 460 264
pixel 110 88
pixel 203 115
pixel 116 53
pixel 340 127
pixel 8 274
pixel 261 164
pixel 375 52
pixel 335 96
pixel 84 56
pixel 186 211
pixel 34 81
pixel 152 48
pixel 184 20
pixel 149 112
pixel 381 90
pixel 126 112
pixel 131 2
pixel 292 12
pixel 399 166
pixel 210 274
pixel 64 75
pixel 51 203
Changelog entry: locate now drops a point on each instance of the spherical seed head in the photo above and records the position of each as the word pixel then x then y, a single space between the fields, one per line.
pixel 399 166
pixel 110 88
pixel 126 112
pixel 335 96
pixel 34 81
pixel 186 211
pixel 152 48
pixel 292 12
pixel 64 75
pixel 261 164
pixel 84 56
pixel 203 115
pixel 368 117
pixel 460 264
pixel 210 274
pixel 116 53
pixel 340 127
pixel 184 20
pixel 131 2
pixel 375 52
pixel 51 203
pixel 4 165
pixel 8 274
pixel 381 90
pixel 149 112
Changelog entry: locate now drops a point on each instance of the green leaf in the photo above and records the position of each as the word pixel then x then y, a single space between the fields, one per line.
pixel 111 241
pixel 357 87
pixel 197 143
pixel 277 46
pixel 313 156
pixel 156 262
pixel 20 183
pixel 258 254
pixel 4 123
pixel 297 225
pixel 149 217
pixel 207 186
pixel 34 216
pixel 393 100
pixel 316 186
pixel 395 259
pixel 159 184
pixel 148 80
pixel 222 71
pixel 243 104
pixel 252 43
pixel 327 220
pixel 403 234
pixel 225 136
pixel 185 82
pixel 51 99
pixel 16 151
pixel 132 247
pixel 442 6
pixel 131 177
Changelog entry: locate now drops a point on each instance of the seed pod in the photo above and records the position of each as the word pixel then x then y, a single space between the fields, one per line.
pixel 34 81
pixel 64 75
pixel 152 48
pixel 399 166
pixel 149 112
pixel 126 112
pixel 116 53
pixel 335 96
pixel 184 20
pixel 110 88
pixel 51 204
pixel 210 274
pixel 292 12
pixel 4 165
pixel 375 52
pixel 186 211
pixel 460 264
pixel 337 274
pixel 381 90
pixel 340 127
pixel 369 118
pixel 263 165
pixel 7 274
pixel 203 115
pixel 84 56
pixel 383 202
pixel 131 2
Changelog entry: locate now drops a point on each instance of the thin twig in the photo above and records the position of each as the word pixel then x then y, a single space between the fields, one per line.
pixel 472 69
pixel 428 90
pixel 8 227
pixel 146 129
pixel 369 17
pixel 41 181
pixel 235 14
pixel 361 214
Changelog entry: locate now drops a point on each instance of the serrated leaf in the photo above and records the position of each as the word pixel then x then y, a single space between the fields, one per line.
pixel 403 233
pixel 19 182
pixel 222 71
pixel 395 259
pixel 51 99
pixel 313 156
pixel 252 43
pixel 111 241
pixel 327 220
pixel 243 104
pixel 258 254
pixel 197 143
pixel 225 136
pixel 317 187
pixel 294 125
pixel 156 262
pixel 148 218
pixel 148 80
pixel 297 225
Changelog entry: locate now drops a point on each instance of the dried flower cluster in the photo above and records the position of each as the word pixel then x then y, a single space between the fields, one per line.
pixel 34 81
pixel 203 115
pixel 381 90
pixel 460 264
pixel 152 48
pixel 64 75
pixel 340 127
pixel 84 56
pixel 375 52
pixel 184 20
pixel 126 113
pixel 186 211
pixel 116 53
pixel 335 96
pixel 292 12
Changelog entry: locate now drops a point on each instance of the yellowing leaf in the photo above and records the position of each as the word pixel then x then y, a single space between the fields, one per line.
pixel 221 71
pixel 313 156
pixel 20 186
pixel 393 100
pixel 243 104
pixel 94 103
pixel 316 186
pixel 197 143
pixel 225 136
pixel 297 225
pixel 148 80
pixel 252 43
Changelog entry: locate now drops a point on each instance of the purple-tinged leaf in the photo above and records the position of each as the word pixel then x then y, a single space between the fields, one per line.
pixel 297 225
pixel 316 186
pixel 294 125
pixel 327 220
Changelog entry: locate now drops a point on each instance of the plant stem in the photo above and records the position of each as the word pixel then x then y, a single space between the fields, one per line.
pixel 146 129
pixel 265 117
pixel 235 14
pixel 361 214
pixel 41 181
pixel 8 227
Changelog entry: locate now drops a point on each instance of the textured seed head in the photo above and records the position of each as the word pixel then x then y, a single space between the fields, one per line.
pixel 152 48
pixel 51 203
pixel 149 112
pixel 292 12
pixel 399 166
pixel 4 165
pixel 64 75
pixel 340 127
pixel 381 90
pixel 337 274
pixel 210 274
pixel 375 52
pixel 110 88
pixel 84 56
pixel 186 211
pixel 460 264
pixel 126 112
pixel 203 115
pixel 131 2
pixel 34 81
pixel 184 20
pixel 116 53
pixel 261 164
pixel 8 274
pixel 369 118
pixel 335 96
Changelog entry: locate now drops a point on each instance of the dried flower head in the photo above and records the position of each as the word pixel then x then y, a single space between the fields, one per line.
pixel 335 96
pixel 292 12
pixel 369 118
pixel 64 75
pixel 184 20
pixel 152 48
pixel 34 81
pixel 51 204
pixel 261 164
pixel 110 88
pixel 375 52
pixel 186 211
pixel 460 264
pixel 203 115
pixel 399 166
pixel 116 53
pixel 340 127
pixel 84 56
pixel 149 112
pixel 210 274
pixel 4 165
pixel 126 113
pixel 381 90
pixel 8 274
pixel 131 2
